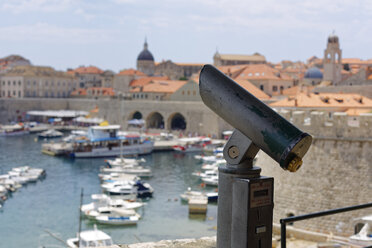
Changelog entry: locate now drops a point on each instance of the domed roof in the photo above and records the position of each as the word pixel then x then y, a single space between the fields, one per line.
pixel 145 54
pixel 313 72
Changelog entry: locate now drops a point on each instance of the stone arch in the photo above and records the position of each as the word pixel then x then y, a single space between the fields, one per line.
pixel 136 115
pixel 155 120
pixel 177 121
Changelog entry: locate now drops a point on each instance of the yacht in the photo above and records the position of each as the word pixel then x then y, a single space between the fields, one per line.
pixel 13 130
pixel 104 141
pixel 143 190
pixel 187 195
pixel 49 134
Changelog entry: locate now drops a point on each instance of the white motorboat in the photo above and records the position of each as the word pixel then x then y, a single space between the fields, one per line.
pixel 90 239
pixel 212 181
pixel 195 144
pixel 103 141
pixel 214 166
pixel 206 174
pixel 130 169
pixel 118 177
pixel 120 162
pixel 142 190
pixel 109 211
pixel 363 232
pixel 118 220
pixel 49 134
pixel 13 130
pixel 211 196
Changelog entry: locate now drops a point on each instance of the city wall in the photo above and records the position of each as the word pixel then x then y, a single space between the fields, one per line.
pixel 337 170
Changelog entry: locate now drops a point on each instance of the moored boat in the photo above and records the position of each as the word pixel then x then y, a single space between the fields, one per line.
pixel 90 239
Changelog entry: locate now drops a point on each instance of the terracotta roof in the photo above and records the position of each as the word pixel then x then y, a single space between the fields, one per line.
pixel 145 80
pixel 325 100
pixel 357 111
pixel 101 90
pixel 88 70
pixel 131 72
pixel 252 89
pixel 161 86
pixel 297 89
pixel 79 92
pixel 261 72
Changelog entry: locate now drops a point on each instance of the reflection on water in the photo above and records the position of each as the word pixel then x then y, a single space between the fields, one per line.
pixel 52 204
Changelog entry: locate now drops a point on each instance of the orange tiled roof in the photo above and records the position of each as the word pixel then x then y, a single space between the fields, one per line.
pixel 325 100
pixel 261 72
pixel 161 86
pixel 297 89
pixel 88 70
pixel 79 92
pixel 132 72
pixel 357 111
pixel 145 80
pixel 102 91
pixel 252 89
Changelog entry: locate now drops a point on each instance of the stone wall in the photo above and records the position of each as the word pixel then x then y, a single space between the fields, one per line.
pixel 337 172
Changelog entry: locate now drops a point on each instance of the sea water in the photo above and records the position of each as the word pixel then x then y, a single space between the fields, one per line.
pixel 52 204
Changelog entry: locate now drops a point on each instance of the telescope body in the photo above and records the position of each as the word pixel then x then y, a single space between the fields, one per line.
pixel 269 131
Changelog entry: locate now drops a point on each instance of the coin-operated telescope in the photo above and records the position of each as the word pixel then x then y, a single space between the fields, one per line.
pixel 245 198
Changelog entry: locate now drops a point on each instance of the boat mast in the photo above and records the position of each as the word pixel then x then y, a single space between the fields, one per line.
pixel 81 203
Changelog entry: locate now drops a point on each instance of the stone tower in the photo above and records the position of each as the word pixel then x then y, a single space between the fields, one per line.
pixel 332 61
pixel 145 61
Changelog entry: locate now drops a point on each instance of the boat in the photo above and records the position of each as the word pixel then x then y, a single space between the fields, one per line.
pixel 211 181
pixel 90 239
pixel 121 161
pixel 363 232
pixel 109 211
pixel 103 200
pixel 13 130
pixel 142 190
pixel 211 196
pixel 103 141
pixel 213 166
pixel 49 134
pixel 132 170
pixel 56 149
pixel 118 220
pixel 192 144
pixel 111 177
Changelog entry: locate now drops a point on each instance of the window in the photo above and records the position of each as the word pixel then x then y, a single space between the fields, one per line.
pixel 183 92
pixel 275 88
pixel 261 87
pixel 3 82
pixel 281 88
pixel 14 93
pixel 58 83
pixel 194 92
pixel 14 82
pixel 188 92
pixel 46 94
pixel 257 74
pixel 250 74
pixel 19 93
pixel 8 93
pixel 8 82
pixel 34 82
pixel 19 83
pixel 3 92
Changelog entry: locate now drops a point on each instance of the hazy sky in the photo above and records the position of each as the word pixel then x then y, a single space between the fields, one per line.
pixel 110 34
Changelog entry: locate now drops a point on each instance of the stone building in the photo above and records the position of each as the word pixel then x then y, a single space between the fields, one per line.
pixel 11 61
pixel 237 59
pixel 36 81
pixel 176 71
pixel 90 76
pixel 332 61
pixel 108 79
pixel 269 80
pixel 93 92
pixel 145 61
pixel 123 79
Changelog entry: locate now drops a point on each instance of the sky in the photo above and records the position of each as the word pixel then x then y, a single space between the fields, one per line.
pixel 110 34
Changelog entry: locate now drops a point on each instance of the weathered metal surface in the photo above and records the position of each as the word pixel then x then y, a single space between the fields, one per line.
pixel 268 130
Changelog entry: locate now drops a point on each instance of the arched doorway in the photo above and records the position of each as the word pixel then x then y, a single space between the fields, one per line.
pixel 136 115
pixel 177 122
pixel 155 120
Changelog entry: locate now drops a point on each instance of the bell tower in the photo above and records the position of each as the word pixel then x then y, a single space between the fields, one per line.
pixel 332 61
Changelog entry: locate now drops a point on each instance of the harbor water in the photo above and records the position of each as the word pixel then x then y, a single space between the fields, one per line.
pixel 52 204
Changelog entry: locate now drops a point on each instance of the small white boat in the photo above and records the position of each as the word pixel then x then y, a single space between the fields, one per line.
pixel 214 166
pixel 118 177
pixel 212 181
pixel 90 239
pixel 119 162
pixel 187 195
pixel 207 173
pixel 134 170
pixel 109 211
pixel 118 220
pixel 49 134
pixel 142 190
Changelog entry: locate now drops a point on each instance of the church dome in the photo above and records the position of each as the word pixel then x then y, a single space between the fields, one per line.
pixel 313 73
pixel 145 54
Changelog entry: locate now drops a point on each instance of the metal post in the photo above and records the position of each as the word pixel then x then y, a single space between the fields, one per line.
pixel 283 234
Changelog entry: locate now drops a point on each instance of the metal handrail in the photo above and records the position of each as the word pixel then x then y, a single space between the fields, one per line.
pixel 291 219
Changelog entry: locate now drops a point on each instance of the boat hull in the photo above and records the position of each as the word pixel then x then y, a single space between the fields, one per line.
pixel 142 149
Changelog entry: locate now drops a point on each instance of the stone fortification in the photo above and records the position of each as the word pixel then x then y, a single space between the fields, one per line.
pixel 337 171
